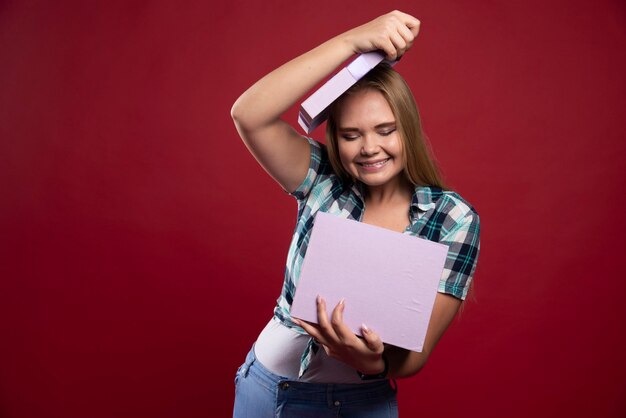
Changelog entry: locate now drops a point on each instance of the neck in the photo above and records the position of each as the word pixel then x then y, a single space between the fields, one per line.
pixel 400 190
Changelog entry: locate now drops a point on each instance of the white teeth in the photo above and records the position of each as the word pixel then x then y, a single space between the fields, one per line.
pixel 378 164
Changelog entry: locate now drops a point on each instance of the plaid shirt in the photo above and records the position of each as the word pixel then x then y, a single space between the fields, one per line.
pixel 435 214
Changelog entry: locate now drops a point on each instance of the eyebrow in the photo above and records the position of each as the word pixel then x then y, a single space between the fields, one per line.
pixel 379 126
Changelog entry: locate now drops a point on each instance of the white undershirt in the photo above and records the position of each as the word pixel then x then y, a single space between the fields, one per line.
pixel 280 348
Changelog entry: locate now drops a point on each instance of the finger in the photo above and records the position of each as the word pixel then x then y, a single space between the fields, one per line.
pixel 406 34
pixel 399 44
pixel 344 333
pixel 322 315
pixel 389 49
pixel 372 340
pixel 409 21
pixel 326 349
pixel 324 323
pixel 310 329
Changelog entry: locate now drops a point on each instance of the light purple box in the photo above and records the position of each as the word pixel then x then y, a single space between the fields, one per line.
pixel 389 280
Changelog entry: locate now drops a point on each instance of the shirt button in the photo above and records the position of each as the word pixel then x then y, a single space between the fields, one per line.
pixel 337 403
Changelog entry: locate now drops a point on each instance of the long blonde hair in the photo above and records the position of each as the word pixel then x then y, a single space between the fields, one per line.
pixel 419 167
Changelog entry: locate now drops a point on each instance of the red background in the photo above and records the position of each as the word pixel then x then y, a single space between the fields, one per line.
pixel 142 248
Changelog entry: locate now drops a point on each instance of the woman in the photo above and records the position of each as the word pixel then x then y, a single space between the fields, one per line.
pixel 377 170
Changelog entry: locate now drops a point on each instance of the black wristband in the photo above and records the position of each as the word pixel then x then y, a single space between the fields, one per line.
pixel 380 375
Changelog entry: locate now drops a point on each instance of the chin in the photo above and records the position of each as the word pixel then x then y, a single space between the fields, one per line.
pixel 369 181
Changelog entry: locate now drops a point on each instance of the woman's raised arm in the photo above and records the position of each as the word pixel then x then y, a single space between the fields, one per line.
pixel 280 150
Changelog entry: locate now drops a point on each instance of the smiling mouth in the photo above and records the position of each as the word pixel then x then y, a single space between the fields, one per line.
pixel 376 164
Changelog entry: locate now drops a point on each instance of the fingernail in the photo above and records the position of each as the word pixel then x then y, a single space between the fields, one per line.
pixel 365 328
pixel 342 301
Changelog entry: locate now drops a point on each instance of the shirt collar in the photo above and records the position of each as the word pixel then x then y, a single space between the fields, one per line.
pixel 424 199
pixel 359 190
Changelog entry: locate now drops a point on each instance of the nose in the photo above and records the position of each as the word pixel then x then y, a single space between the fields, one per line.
pixel 369 145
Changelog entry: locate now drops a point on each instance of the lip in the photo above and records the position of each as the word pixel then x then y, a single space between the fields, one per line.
pixel 373 168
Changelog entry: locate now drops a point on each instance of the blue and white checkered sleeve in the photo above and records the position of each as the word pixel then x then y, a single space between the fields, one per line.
pixel 463 241
pixel 314 167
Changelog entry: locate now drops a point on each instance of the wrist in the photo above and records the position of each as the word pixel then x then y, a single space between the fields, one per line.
pixel 345 44
pixel 379 372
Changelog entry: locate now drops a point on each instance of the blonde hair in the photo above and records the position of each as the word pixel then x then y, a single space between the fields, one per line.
pixel 419 165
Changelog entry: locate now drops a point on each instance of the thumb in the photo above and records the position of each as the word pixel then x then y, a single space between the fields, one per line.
pixel 372 340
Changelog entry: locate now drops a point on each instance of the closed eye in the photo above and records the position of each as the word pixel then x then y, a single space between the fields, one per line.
pixel 388 132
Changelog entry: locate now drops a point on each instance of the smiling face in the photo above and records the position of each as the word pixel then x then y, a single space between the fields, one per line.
pixel 369 145
pixel 360 129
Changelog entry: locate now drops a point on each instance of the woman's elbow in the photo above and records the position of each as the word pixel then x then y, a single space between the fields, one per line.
pixel 235 111
pixel 245 119
pixel 410 371
pixel 413 363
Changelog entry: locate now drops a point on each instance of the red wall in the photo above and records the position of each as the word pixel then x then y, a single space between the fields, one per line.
pixel 142 247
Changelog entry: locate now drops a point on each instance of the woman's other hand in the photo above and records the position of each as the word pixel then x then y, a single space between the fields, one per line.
pixel 393 33
pixel 363 354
